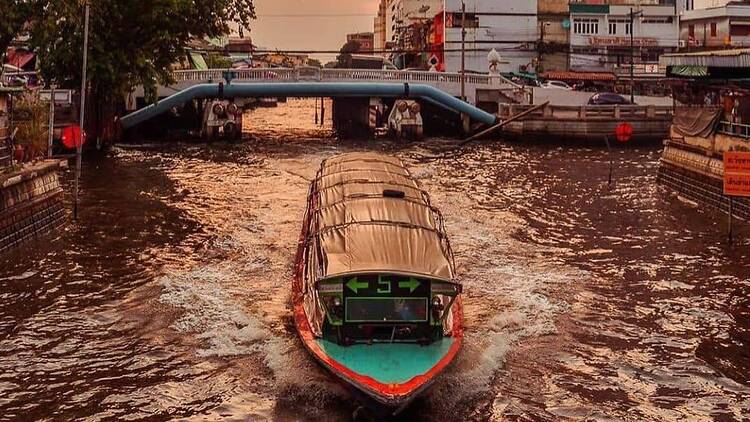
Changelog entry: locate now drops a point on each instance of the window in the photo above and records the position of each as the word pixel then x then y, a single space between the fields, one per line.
pixel 612 28
pixel 713 29
pixel 691 31
pixel 628 28
pixel 586 26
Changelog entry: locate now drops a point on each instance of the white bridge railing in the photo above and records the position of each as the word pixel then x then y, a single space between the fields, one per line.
pixel 335 75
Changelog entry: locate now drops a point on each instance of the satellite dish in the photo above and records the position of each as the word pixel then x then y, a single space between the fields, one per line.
pixel 566 24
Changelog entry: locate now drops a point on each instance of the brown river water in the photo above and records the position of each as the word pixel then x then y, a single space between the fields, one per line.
pixel 169 298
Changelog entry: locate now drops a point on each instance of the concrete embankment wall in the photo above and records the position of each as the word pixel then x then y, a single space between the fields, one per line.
pixel 564 97
pixel 31 204
pixel 694 168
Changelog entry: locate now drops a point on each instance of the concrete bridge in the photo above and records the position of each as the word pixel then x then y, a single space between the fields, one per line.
pixel 479 88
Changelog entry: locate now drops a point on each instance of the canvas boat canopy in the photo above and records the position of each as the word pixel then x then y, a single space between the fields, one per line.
pixel 369 216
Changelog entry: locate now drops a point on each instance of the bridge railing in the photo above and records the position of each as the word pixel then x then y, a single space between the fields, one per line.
pixel 302 74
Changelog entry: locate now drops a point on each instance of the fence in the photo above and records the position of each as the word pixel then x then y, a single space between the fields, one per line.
pixel 333 75
pixel 734 129
pixel 6 150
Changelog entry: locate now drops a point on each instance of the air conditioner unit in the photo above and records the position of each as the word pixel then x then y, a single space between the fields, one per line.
pixel 682 44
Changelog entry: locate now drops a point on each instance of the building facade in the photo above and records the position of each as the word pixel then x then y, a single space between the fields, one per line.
pixel 601 34
pixel 510 27
pixel 379 32
pixel 554 35
pixel 724 26
pixel 366 41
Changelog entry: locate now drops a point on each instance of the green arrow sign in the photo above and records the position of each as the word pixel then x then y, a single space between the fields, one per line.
pixel 356 285
pixel 412 284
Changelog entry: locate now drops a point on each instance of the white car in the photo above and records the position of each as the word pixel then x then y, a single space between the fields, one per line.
pixel 557 85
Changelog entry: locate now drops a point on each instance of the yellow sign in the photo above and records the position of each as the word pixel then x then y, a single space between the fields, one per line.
pixel 737 173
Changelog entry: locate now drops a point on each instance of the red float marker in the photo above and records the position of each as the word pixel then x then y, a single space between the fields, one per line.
pixel 72 137
pixel 624 132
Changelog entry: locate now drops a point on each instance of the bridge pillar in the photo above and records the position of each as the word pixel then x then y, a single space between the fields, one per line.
pixel 351 116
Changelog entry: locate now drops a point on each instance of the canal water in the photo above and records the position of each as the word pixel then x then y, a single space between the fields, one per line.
pixel 169 298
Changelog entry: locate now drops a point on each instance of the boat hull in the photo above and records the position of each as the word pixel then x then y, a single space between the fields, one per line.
pixel 390 375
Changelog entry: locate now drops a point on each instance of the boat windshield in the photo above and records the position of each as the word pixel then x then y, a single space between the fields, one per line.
pixel 386 309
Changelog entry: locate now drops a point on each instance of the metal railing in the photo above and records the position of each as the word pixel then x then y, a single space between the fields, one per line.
pixel 587 112
pixel 332 75
pixel 734 129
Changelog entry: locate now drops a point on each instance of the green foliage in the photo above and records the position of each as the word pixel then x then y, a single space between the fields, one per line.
pixel 344 59
pixel 314 63
pixel 131 42
pixel 14 14
pixel 217 61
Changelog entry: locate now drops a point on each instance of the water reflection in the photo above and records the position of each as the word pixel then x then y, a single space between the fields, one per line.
pixel 170 297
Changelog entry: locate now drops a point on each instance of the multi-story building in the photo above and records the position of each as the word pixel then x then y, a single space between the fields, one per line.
pixel 718 26
pixel 554 34
pixel 379 26
pixel 604 36
pixel 364 39
pixel 510 27
pixel 403 14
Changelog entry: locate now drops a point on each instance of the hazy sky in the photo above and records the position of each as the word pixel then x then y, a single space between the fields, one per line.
pixel 310 24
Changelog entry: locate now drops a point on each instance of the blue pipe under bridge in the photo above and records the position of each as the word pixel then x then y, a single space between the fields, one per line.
pixel 309 89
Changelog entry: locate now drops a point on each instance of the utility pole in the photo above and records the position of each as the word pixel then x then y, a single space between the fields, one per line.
pixel 79 144
pixel 632 56
pixel 51 124
pixel 463 51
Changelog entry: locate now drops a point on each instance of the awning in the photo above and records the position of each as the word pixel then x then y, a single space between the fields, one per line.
pixel 580 76
pixel 20 58
pixel 532 76
pixel 199 63
pixel 689 71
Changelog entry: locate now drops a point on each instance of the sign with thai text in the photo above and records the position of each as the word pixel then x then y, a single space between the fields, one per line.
pixel 737 173
pixel 623 42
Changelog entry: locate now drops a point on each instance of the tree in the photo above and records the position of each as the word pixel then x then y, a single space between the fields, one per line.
pixel 217 61
pixel 345 57
pixel 314 63
pixel 14 16
pixel 131 43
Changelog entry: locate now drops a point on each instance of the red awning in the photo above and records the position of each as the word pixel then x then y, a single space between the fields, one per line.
pixel 579 76
pixel 20 58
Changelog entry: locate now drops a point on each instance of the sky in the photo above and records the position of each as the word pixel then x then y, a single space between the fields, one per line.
pixel 310 24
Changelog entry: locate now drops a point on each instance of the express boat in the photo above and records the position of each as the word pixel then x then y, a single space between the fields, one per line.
pixel 376 300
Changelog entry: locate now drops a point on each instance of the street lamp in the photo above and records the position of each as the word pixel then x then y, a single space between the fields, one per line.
pixel 463 51
pixel 632 15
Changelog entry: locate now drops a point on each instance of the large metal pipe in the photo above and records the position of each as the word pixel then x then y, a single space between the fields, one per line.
pixel 311 89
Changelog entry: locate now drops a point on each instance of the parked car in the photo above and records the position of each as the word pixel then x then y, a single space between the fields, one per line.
pixel 557 85
pixel 608 98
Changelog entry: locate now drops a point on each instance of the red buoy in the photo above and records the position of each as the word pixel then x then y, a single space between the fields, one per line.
pixel 72 137
pixel 624 132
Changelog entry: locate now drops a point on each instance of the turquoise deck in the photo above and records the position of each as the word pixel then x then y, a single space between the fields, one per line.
pixel 388 363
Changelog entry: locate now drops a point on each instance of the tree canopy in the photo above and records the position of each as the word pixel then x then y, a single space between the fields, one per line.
pixel 131 42
pixel 344 58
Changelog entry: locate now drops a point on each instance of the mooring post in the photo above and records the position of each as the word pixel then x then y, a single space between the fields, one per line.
pixel 611 161
pixel 322 111
pixel 731 211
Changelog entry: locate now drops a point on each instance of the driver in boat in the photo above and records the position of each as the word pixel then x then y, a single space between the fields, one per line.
pixel 404 310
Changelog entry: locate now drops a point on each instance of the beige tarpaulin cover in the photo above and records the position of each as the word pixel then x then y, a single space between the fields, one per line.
pixel 696 121
pixel 358 229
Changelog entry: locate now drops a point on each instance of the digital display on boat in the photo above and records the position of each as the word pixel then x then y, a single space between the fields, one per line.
pixel 386 309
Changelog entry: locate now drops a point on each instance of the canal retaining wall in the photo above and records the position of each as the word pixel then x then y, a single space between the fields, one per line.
pixel 693 166
pixel 31 203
